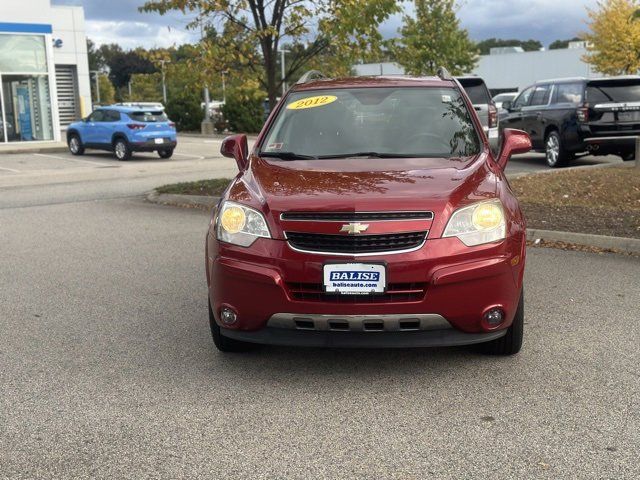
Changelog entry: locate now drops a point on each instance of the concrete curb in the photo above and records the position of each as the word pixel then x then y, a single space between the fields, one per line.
pixel 551 171
pixel 198 201
pixel 23 150
pixel 621 244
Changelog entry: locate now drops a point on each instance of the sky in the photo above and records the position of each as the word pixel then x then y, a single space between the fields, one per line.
pixel 118 21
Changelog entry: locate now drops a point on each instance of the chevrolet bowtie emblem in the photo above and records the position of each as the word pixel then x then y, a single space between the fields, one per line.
pixel 354 228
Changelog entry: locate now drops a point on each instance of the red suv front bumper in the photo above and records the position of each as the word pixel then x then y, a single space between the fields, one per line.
pixel 443 278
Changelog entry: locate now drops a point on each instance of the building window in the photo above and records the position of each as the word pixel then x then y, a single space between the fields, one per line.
pixel 23 54
pixel 25 89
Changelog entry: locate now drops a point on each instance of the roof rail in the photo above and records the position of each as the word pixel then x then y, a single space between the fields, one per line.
pixel 310 76
pixel 444 74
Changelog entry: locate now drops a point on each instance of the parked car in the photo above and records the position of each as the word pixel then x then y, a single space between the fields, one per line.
pixel 483 103
pixel 570 116
pixel 123 130
pixel 370 212
pixel 501 97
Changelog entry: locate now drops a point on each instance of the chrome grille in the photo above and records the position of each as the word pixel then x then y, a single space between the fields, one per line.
pixel 355 244
pixel 356 216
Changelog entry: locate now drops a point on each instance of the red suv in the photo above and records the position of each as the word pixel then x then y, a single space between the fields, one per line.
pixel 370 213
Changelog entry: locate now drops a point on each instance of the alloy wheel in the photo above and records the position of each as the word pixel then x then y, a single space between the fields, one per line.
pixel 74 145
pixel 121 150
pixel 553 149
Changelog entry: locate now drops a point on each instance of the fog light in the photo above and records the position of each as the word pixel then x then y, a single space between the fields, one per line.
pixel 228 316
pixel 494 317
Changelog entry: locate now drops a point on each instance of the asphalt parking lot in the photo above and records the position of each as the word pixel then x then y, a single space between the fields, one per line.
pixel 195 148
pixel 108 368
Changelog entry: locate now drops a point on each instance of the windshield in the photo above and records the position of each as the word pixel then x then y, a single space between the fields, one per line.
pixel 400 122
pixel 613 91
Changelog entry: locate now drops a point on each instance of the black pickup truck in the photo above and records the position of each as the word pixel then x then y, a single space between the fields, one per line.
pixel 569 116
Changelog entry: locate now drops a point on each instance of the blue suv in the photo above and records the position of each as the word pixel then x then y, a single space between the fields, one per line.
pixel 124 130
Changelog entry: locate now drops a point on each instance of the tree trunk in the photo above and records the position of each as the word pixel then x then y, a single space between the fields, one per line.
pixel 269 53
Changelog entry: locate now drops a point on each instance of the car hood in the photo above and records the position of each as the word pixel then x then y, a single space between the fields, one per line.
pixel 363 184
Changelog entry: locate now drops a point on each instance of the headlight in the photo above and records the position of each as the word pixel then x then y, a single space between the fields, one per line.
pixel 240 225
pixel 478 223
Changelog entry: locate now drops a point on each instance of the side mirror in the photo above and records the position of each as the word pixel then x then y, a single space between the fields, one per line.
pixel 236 147
pixel 513 142
pixel 507 105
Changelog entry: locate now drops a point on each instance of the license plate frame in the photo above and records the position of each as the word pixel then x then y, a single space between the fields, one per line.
pixel 158 141
pixel 351 284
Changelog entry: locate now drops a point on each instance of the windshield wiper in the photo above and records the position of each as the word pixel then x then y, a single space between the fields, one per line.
pixel 287 155
pixel 368 154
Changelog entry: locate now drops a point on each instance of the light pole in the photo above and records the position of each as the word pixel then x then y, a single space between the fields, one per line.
pixel 164 85
pixel 284 85
pixel 206 127
pixel 97 74
pixel 224 90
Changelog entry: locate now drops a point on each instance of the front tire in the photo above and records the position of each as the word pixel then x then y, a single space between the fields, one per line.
pixel 226 344
pixel 628 156
pixel 511 342
pixel 555 153
pixel 121 149
pixel 165 153
pixel 75 144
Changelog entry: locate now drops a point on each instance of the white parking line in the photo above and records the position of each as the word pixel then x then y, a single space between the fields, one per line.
pixel 71 159
pixel 198 157
pixel 10 170
pixel 213 141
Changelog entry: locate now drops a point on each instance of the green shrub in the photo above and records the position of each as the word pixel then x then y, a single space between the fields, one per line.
pixel 244 113
pixel 186 112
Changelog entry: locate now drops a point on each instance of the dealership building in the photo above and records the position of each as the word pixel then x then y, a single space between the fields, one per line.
pixel 44 70
pixel 511 69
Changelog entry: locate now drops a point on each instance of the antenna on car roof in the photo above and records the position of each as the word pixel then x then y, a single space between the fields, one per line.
pixel 444 74
pixel 310 76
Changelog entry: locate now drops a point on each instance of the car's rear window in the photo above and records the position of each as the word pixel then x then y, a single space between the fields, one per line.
pixel 607 91
pixel 148 117
pixel 403 121
pixel 476 90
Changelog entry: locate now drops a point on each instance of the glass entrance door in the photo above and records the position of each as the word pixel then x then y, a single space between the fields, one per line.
pixel 27 108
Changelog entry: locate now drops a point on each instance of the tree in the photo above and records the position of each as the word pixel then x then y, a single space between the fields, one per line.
pixel 350 26
pixel 107 92
pixel 244 110
pixel 96 60
pixel 485 46
pixel 122 64
pixel 559 44
pixel 146 87
pixel 433 39
pixel 614 37
pixel 184 102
